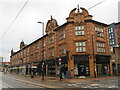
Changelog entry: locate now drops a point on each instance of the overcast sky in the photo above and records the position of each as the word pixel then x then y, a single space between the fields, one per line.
pixel 26 27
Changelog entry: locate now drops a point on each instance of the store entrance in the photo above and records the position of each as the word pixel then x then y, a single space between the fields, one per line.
pixel 82 70
pixel 114 69
pixel 81 67
pixel 102 69
pixel 103 65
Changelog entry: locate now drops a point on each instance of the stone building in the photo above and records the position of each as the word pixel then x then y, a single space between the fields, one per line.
pixel 80 45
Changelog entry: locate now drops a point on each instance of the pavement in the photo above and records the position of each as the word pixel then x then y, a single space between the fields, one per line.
pixel 54 82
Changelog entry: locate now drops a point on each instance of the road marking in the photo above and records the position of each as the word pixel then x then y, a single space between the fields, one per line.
pixel 94 84
pixel 6 85
pixel 113 86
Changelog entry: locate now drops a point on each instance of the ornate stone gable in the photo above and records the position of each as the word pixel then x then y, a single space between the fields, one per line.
pixel 22 45
pixel 77 16
pixel 51 25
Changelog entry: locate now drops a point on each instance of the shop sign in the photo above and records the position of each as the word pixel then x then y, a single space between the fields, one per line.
pixel 112 60
pixel 59 61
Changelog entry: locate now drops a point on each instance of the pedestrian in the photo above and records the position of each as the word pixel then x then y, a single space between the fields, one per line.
pixel 60 76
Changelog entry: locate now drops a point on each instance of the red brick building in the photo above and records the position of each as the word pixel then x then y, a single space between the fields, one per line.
pixel 117 33
pixel 115 61
pixel 81 43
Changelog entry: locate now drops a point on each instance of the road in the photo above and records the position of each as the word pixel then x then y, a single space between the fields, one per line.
pixel 10 81
pixel 12 84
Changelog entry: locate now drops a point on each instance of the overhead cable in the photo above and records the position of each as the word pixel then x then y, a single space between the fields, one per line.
pixel 14 19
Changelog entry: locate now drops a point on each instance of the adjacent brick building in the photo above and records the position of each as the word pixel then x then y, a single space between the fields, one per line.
pixel 80 44
pixel 115 61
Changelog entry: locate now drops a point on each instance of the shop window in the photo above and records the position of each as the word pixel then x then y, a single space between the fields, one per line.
pixel 61 34
pixel 62 49
pixel 80 46
pixel 79 30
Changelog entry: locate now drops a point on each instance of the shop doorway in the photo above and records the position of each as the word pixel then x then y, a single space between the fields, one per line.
pixel 102 69
pixel 81 67
pixel 114 69
pixel 82 70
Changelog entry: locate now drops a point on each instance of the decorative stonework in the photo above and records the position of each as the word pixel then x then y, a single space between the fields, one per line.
pixel 51 25
pixel 77 16
pixel 22 45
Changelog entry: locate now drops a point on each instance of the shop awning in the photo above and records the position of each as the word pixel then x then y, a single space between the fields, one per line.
pixel 22 67
pixel 34 67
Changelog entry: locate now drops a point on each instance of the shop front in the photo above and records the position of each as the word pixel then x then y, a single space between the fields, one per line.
pixel 22 69
pixel 51 67
pixel 62 65
pixel 31 67
pixel 103 64
pixel 42 67
pixel 81 65
pixel 118 69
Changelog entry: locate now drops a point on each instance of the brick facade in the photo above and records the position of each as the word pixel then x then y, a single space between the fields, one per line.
pixel 78 38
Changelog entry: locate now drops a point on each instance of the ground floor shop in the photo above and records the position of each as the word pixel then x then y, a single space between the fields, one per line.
pixel 115 68
pixel 52 67
pixel 78 65
pixel 101 65
pixel 81 65
pixel 24 69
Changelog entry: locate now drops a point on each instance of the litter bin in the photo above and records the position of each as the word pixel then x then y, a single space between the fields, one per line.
pixel 68 75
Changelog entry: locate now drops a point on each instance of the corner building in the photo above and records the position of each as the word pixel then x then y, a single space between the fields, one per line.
pixel 81 45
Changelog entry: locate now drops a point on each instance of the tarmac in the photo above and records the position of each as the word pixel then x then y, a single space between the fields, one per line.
pixel 54 82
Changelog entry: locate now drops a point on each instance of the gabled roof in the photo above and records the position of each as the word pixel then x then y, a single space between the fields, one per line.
pixel 29 44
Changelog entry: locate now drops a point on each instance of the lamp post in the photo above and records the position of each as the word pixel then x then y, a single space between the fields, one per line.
pixel 42 27
pixel 42 49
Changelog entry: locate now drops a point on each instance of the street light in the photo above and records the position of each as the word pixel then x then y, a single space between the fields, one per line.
pixel 42 27
pixel 42 49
